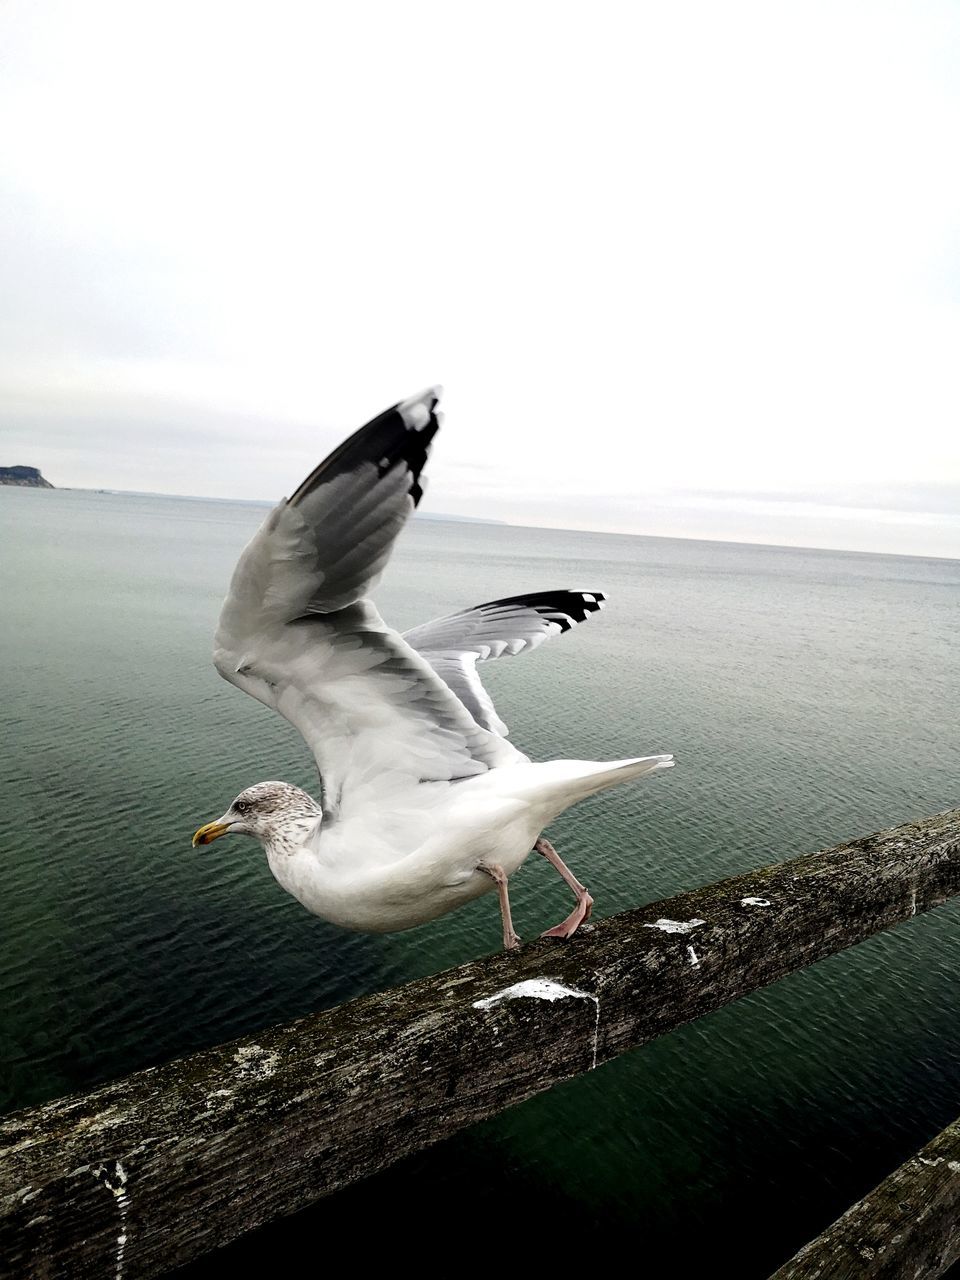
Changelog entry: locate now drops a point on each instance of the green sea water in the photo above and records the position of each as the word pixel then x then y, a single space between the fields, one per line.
pixel 809 697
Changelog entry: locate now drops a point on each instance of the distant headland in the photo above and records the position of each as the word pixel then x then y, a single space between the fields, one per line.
pixel 25 477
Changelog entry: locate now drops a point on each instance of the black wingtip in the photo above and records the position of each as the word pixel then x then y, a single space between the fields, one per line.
pixel 401 435
pixel 419 420
pixel 564 607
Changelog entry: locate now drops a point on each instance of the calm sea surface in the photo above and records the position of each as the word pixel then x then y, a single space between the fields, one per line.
pixel 809 696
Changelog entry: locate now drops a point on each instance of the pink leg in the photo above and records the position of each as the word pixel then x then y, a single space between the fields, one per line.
pixel 499 877
pixel 584 906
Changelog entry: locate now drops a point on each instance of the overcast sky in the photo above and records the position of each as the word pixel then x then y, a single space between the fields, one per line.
pixel 687 269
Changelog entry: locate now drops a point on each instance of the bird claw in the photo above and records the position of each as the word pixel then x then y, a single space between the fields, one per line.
pixel 567 928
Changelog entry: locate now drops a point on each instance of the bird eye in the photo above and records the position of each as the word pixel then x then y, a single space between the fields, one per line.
pixel 241 806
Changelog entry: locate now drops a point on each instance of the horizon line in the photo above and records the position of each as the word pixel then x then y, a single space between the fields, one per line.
pixel 512 524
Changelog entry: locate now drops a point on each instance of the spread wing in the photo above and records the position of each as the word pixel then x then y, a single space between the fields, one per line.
pixel 298 632
pixel 455 644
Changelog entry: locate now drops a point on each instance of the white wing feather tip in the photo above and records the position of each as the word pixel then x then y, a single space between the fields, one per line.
pixel 417 411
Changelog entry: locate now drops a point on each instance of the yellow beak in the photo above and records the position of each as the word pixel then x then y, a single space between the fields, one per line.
pixel 212 831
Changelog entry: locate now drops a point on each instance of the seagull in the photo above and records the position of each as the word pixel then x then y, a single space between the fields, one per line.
pixel 426 804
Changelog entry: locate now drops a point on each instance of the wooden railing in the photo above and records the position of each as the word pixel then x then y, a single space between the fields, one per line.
pixel 909 1226
pixel 152 1171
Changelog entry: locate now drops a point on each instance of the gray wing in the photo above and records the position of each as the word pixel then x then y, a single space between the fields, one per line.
pixel 297 631
pixel 455 644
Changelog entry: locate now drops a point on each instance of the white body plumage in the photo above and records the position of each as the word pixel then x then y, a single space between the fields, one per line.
pixel 353 877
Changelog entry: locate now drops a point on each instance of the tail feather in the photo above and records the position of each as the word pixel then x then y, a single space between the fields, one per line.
pixel 554 785
pixel 597 777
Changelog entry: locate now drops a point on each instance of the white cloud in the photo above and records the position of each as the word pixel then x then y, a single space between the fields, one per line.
pixel 648 248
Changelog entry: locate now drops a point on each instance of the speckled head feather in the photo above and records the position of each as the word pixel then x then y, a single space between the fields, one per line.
pixel 277 814
pixel 276 799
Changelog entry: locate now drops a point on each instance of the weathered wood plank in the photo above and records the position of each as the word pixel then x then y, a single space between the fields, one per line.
pixel 154 1170
pixel 908 1226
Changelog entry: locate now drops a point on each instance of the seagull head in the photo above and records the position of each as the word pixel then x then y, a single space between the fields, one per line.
pixel 275 813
